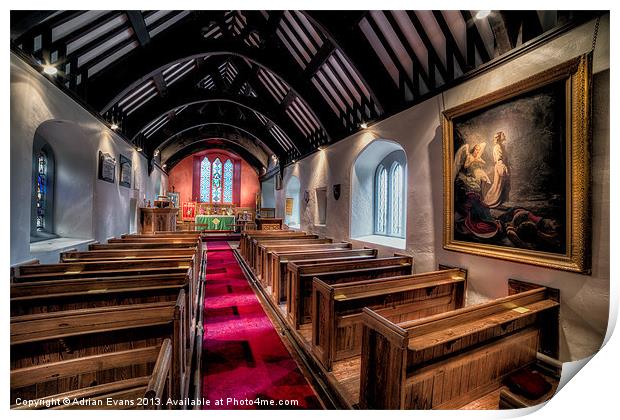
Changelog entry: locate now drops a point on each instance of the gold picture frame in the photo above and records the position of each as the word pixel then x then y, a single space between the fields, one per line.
pixel 465 229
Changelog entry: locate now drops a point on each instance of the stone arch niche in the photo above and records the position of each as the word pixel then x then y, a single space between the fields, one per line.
pixel 73 178
pixel 363 173
pixel 293 189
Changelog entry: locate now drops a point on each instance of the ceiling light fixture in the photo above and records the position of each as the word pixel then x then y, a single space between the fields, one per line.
pixel 482 14
pixel 50 70
pixel 363 126
pixel 114 126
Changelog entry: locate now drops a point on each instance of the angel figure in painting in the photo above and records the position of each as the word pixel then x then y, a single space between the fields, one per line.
pixel 498 193
pixel 469 166
pixel 472 215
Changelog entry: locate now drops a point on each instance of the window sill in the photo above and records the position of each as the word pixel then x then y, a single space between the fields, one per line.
pixel 389 241
pixel 56 245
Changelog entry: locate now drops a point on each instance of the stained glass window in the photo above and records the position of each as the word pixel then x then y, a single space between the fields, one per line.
pixel 396 199
pixel 205 180
pixel 216 181
pixel 228 182
pixel 382 201
pixel 41 191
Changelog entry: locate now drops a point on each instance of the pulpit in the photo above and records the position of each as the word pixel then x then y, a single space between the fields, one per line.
pixel 268 223
pixel 158 219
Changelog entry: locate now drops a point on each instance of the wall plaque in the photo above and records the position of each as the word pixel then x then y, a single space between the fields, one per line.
pixel 125 172
pixel 107 167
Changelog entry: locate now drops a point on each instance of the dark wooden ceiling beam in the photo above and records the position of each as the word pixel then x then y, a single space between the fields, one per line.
pixel 139 26
pixel 452 48
pixel 160 84
pixel 193 118
pixel 217 136
pixel 433 56
pixel 404 80
pixel 474 40
pixel 344 33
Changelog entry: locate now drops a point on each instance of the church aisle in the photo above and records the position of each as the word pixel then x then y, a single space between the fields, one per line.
pixel 243 355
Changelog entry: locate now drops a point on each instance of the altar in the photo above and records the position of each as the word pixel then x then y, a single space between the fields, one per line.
pixel 214 222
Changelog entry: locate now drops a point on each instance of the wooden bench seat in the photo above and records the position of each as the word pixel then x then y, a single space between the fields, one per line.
pixel 246 239
pixel 446 360
pixel 337 308
pixel 299 280
pixel 46 297
pixel 268 249
pixel 142 390
pixel 255 242
pixel 246 235
pixel 279 260
pixel 261 245
pixel 40 339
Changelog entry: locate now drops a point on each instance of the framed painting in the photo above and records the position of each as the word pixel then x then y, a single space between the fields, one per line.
pixel 517 171
pixel 107 167
pixel 189 210
pixel 125 175
pixel 174 198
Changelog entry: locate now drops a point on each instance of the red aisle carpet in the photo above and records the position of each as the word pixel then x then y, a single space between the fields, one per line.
pixel 243 355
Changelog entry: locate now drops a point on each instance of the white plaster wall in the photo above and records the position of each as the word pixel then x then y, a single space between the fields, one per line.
pixel 85 207
pixel 584 299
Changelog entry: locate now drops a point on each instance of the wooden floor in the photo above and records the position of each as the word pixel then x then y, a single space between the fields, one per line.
pixel 347 373
pixel 344 379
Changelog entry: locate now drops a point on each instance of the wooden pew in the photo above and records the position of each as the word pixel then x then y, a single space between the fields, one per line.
pixel 254 243
pixel 109 269
pixel 303 248
pixel 246 238
pixel 126 254
pixel 45 297
pixel 446 360
pixel 260 246
pixel 278 262
pixel 150 380
pixel 337 308
pixel 299 279
pixel 67 335
pixel 247 234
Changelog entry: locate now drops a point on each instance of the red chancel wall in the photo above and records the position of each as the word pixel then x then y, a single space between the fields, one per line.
pixel 182 177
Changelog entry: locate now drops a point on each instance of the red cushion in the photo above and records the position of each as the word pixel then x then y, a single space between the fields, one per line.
pixel 530 384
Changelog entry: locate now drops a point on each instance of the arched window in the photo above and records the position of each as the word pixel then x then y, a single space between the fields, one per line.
pixel 42 206
pixel 228 181
pixel 381 199
pixel 205 180
pixel 388 192
pixel 378 195
pixel 396 200
pixel 216 181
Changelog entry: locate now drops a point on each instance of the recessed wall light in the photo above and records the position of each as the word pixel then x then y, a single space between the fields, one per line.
pixel 139 149
pixel 114 126
pixel 482 14
pixel 50 70
pixel 363 126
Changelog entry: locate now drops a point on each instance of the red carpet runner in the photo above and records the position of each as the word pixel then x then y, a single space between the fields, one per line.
pixel 243 357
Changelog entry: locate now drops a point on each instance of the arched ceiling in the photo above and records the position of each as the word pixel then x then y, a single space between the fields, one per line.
pixel 287 82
